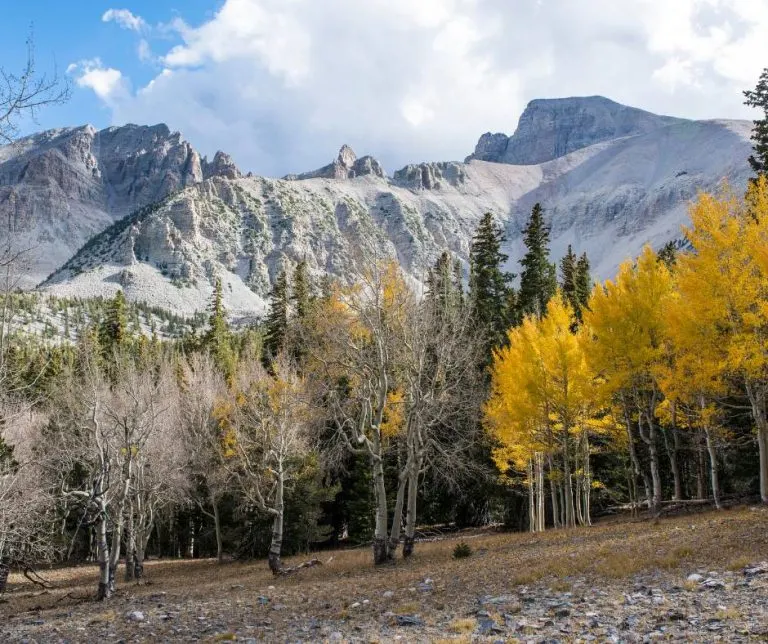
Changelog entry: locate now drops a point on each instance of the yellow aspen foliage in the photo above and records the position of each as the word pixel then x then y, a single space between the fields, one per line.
pixel 719 320
pixel 394 417
pixel 542 389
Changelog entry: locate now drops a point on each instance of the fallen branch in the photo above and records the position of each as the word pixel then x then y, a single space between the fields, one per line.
pixel 30 574
pixel 292 569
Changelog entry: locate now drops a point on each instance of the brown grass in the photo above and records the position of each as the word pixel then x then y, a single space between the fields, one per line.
pixel 502 561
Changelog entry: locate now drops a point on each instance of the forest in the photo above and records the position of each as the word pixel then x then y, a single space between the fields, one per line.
pixel 359 412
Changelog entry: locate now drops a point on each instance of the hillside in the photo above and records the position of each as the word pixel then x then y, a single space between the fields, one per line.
pixel 695 578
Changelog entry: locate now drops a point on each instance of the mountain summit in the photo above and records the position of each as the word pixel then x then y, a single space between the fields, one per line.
pixel 552 128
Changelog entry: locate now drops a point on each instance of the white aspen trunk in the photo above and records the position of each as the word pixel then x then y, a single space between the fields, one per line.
pixel 276 546
pixel 649 438
pixel 578 492
pixel 410 517
pixel 757 401
pixel 541 491
pixel 638 471
pixel 102 555
pixel 217 528
pixel 569 513
pixel 713 467
pixel 130 545
pixel 397 515
pixel 531 504
pixel 587 482
pixel 380 543
pixel 700 468
pixel 553 492
pixel 191 544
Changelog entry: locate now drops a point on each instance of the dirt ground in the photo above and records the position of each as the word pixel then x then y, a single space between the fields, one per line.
pixel 621 580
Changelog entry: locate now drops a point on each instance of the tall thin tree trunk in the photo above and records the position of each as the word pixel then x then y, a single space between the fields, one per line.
pixel 649 437
pixel 380 541
pixel 410 517
pixel 102 554
pixel 191 542
pixel 276 546
pixel 638 470
pixel 531 498
pixel 569 513
pixel 587 482
pixel 701 487
pixel 674 465
pixel 130 545
pixel 541 491
pixel 217 528
pixel 553 492
pixel 397 514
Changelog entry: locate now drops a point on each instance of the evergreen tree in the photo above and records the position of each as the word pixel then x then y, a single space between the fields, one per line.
pixel 758 98
pixel 583 283
pixel 538 279
pixel 668 254
pixel 568 277
pixel 218 338
pixel 444 288
pixel 113 331
pixel 276 325
pixel 489 290
pixel 302 291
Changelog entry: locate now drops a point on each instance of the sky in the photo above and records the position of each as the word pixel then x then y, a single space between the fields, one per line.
pixel 282 84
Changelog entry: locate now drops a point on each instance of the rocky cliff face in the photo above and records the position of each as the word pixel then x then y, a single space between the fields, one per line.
pixel 61 187
pixel 551 128
pixel 608 199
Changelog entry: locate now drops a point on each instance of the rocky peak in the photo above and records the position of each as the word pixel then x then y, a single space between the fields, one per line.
pixel 347 156
pixel 551 128
pixel 222 166
pixel 346 166
pixel 430 176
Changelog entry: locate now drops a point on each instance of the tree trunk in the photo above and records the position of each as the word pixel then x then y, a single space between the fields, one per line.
pixel 102 554
pixel 569 518
pixel 649 438
pixel 381 553
pixel 410 517
pixel 542 493
pixel 531 499
pixel 138 563
pixel 700 469
pixel 553 492
pixel 587 482
pixel 674 465
pixel 191 543
pixel 130 547
pixel 638 471
pixel 397 515
pixel 217 528
pixel 5 570
pixel 713 467
pixel 762 446
pixel 275 548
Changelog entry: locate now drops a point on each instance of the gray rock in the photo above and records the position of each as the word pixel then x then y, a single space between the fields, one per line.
pixel 135 616
pixel 408 620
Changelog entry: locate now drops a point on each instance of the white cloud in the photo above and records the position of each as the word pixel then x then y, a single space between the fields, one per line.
pixel 107 83
pixel 125 19
pixel 281 84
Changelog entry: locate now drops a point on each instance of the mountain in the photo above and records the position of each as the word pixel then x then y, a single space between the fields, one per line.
pixel 168 223
pixel 551 128
pixel 61 187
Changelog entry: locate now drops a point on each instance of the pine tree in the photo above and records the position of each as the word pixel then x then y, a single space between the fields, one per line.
pixel 489 290
pixel 113 331
pixel 583 284
pixel 568 277
pixel 668 254
pixel 444 288
pixel 276 325
pixel 538 279
pixel 758 98
pixel 302 291
pixel 218 338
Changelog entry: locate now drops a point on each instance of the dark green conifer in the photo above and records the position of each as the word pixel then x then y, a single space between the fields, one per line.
pixel 489 289
pixel 276 325
pixel 583 284
pixel 758 98
pixel 538 279
pixel 113 331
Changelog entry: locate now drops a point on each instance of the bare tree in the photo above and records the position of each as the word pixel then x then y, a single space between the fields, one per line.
pixel 103 437
pixel 27 505
pixel 24 93
pixel 356 333
pixel 271 439
pixel 443 393
pixel 203 392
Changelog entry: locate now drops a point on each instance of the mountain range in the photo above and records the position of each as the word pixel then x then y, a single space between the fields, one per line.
pixel 137 208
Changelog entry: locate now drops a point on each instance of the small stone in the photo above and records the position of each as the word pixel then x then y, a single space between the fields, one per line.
pixel 135 616
pixel 695 578
pixel 388 594
pixel 355 605
pixel 408 620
